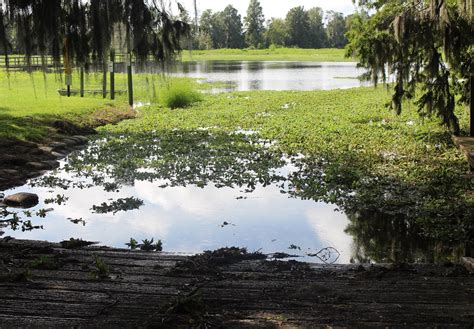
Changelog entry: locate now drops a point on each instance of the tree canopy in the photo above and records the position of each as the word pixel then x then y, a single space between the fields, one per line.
pixel 298 27
pixel 85 29
pixel 427 46
pixel 254 24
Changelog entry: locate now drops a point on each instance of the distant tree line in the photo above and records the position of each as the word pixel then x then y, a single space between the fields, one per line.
pixel 301 28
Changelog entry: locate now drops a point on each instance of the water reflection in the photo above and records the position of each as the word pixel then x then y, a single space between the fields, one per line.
pixel 258 75
pixel 388 239
pixel 199 190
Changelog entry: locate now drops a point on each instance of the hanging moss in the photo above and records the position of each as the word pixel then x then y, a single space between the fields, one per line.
pixel 84 30
pixel 426 45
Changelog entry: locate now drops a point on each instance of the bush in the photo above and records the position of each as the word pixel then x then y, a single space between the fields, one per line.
pixel 179 94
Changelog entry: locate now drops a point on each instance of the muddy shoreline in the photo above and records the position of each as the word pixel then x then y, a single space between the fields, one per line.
pixel 23 160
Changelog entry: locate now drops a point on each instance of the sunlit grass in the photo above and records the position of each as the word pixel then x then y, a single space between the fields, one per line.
pixel 272 54
pixel 29 102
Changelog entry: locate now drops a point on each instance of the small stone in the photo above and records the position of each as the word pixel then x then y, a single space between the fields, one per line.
pixel 468 263
pixel 53 164
pixel 81 139
pixel 12 160
pixel 9 172
pixel 39 165
pixel 58 155
pixel 70 141
pixel 22 200
pixel 57 145
pixel 46 149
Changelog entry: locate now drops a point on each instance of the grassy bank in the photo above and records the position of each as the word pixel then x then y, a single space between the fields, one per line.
pixel 29 103
pixel 272 54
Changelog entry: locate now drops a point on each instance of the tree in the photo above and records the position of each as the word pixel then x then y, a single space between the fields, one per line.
pixel 277 32
pixel 254 24
pixel 317 30
pixel 206 39
pixel 84 30
pixel 336 30
pixel 232 23
pixel 428 47
pixel 297 21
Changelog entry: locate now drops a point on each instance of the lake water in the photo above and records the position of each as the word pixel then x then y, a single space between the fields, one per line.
pixel 189 199
pixel 248 75
pixel 198 190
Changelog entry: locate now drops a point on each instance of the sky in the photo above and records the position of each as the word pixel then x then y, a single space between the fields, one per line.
pixel 271 8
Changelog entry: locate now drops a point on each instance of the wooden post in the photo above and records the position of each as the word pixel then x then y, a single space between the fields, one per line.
pixel 112 74
pixel 130 79
pixel 67 67
pixel 104 80
pixel 472 105
pixel 128 60
pixel 82 81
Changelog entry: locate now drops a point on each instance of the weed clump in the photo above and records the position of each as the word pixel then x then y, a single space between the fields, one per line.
pixel 76 243
pixel 210 262
pixel 179 94
pixel 146 245
pixel 102 270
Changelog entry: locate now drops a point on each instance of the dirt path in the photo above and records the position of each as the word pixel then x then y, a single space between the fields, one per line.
pixel 45 285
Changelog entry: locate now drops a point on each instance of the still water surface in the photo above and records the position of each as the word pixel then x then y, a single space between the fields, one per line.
pixel 247 75
pixel 201 191
pixel 189 210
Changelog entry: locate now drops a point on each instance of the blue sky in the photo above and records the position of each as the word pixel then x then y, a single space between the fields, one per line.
pixel 272 8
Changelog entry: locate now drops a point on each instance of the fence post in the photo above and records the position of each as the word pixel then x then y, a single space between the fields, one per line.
pixel 472 105
pixel 104 79
pixel 82 80
pixel 67 67
pixel 130 79
pixel 112 74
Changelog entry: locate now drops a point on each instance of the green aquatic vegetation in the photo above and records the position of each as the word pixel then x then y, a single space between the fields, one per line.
pixel 59 199
pixel 14 221
pixel 400 175
pixel 175 158
pixel 357 154
pixel 122 204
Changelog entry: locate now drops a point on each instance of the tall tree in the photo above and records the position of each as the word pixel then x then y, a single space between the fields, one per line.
pixel 297 21
pixel 428 45
pixel 232 28
pixel 277 32
pixel 254 24
pixel 318 34
pixel 336 30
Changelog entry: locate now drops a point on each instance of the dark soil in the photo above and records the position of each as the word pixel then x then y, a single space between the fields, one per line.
pixel 22 160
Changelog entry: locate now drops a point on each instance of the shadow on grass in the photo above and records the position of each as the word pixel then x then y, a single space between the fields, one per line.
pixel 24 128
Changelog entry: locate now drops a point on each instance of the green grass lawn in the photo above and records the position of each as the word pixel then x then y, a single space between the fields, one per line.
pixel 273 54
pixel 29 103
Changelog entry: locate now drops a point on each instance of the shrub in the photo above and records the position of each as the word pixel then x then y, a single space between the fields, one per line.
pixel 179 93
